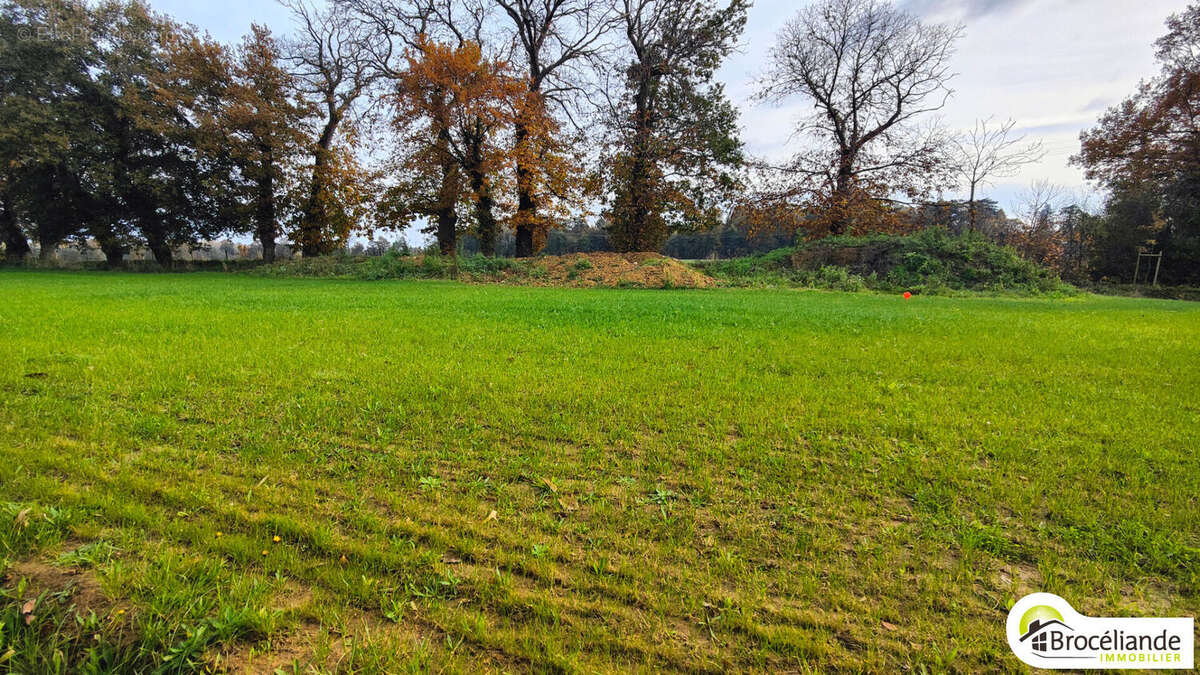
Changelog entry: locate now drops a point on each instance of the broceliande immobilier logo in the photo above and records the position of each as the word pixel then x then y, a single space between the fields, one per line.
pixel 1044 631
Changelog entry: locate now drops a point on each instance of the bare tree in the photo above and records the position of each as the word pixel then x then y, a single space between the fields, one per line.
pixel 1038 236
pixel 554 38
pixel 871 71
pixel 397 26
pixel 1039 201
pixel 333 59
pixel 989 151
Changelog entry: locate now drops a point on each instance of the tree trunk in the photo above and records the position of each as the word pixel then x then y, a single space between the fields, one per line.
pixel 485 219
pixel 16 245
pixel 526 206
pixel 447 222
pixel 524 231
pixel 267 239
pixel 110 245
pixel 265 210
pixel 114 254
pixel 971 217
pixel 161 251
pixel 633 232
pixel 314 218
pixel 639 198
pixel 445 213
pixel 46 250
pixel 839 223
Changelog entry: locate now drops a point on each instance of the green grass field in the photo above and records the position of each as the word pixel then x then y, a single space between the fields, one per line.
pixel 506 478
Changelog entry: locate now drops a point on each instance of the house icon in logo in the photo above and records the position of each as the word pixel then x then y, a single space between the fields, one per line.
pixel 1039 638
pixel 1035 622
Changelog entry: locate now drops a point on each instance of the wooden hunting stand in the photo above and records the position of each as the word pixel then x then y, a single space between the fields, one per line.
pixel 1138 268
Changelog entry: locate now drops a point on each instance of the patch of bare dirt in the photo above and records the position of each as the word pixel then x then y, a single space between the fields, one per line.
pixel 84 592
pixel 325 647
pixel 280 652
pixel 644 270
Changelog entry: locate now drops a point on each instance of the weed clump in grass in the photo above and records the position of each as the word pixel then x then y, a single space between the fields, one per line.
pixel 25 528
pixel 58 619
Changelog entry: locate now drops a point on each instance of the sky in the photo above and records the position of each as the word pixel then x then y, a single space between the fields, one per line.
pixel 1052 66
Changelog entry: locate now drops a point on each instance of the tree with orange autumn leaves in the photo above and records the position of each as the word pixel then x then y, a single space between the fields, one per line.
pixel 453 109
pixel 551 181
pixel 555 41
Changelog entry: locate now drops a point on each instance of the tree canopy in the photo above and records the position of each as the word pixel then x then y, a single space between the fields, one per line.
pixel 1146 152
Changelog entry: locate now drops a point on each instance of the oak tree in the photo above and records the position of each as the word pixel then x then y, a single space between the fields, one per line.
pixel 449 102
pixel 871 71
pixel 675 153
pixel 558 44
pixel 336 67
pixel 164 178
pixel 48 52
pixel 266 134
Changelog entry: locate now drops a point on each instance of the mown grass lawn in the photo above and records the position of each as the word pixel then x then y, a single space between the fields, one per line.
pixel 490 477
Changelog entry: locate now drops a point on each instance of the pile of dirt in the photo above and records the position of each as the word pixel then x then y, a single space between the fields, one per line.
pixel 625 270
pixel 634 270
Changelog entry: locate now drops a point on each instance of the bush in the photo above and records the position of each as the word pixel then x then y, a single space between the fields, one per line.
pixel 930 261
pixel 838 279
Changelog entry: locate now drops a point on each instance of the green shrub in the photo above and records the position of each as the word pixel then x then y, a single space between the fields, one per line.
pixel 839 279
pixel 929 261
pixel 391 265
pixel 483 266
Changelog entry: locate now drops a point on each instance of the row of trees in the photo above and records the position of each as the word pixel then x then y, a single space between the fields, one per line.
pixel 124 128
pixel 128 129
pixel 469 115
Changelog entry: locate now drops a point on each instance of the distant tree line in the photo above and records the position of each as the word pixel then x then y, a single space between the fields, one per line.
pixel 501 126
